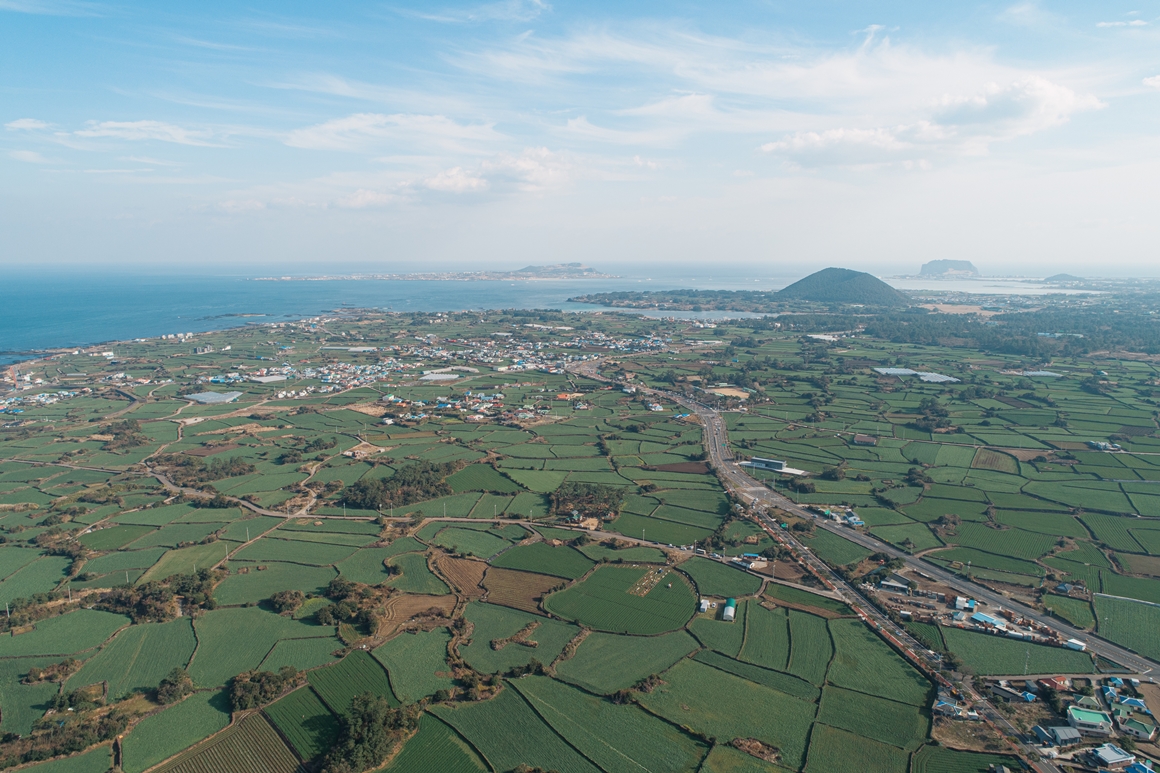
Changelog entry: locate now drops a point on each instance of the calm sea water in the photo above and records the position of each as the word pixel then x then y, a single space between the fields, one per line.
pixel 65 309
pixel 39 312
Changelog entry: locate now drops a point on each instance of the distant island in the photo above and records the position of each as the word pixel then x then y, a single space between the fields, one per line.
pixel 830 285
pixel 1064 278
pixel 948 268
pixel 555 271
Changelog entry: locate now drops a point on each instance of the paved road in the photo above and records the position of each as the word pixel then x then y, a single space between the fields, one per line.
pixel 718 449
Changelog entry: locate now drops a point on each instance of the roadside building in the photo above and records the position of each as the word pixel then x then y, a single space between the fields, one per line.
pixel 1065 736
pixel 865 440
pixel 1111 757
pixel 1057 683
pixel 1089 722
pixel 766 464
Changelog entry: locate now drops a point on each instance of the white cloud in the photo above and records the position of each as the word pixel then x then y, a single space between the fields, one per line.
pixel 456 180
pixel 147 131
pixel 364 130
pixel 241 207
pixel 25 124
pixel 1132 23
pixel 28 156
pixel 955 124
pixel 363 198
pixel 533 170
pixel 1154 81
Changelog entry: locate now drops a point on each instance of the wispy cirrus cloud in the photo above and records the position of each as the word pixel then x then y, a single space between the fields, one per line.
pixel 26 124
pixel 142 131
pixel 364 131
pixel 1132 23
pixel 505 10
pixel 28 157
pixel 52 7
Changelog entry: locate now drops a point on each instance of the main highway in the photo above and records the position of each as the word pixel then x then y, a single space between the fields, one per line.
pixel 759 496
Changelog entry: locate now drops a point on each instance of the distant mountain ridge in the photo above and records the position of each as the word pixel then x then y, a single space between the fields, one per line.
pixel 843 285
pixel 951 267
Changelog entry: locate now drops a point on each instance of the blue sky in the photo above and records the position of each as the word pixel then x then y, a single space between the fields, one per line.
pixel 775 136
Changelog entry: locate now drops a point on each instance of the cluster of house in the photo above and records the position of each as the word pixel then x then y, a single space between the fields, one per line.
pixel 14 405
pixel 1008 624
pixel 1113 710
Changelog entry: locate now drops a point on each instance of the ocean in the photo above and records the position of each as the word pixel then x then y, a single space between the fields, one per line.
pixel 66 308
pixel 69 309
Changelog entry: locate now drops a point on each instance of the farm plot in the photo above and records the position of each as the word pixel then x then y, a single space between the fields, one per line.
pixel 187 560
pixel 834 549
pixel 417 663
pixel 508 733
pixel 988 459
pixel 67 634
pixel 910 536
pixel 986 654
pixel 41 576
pixel 464 574
pixel 766 637
pixel 776 680
pixel 231 641
pixel 605 663
pixel 139 657
pixel 706 700
pixel 470 542
pixel 796 597
pixel 623 555
pixel 250 582
pixel 249 746
pixel 670 532
pixel 416 576
pixel 864 663
pixel 305 722
pixel 940 759
pixel 540 557
pixel 810 647
pixel 436 748
pixel 160 736
pixel 724 637
pixel 23 704
pixel 603 602
pixel 1078 612
pixel 482 477
pixel 301 653
pixel 614 737
pixel 897 724
pixel 99 760
pixel 294 551
pixel 714 578
pixel 112 538
pixel 1131 623
pixel 832 749
pixel 492 623
pixel 357 673
pixel 518 590
pixel 725 759
pixel 368 565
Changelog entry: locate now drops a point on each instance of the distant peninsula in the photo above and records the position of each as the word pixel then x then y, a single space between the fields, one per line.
pixel 830 286
pixel 555 271
pixel 948 268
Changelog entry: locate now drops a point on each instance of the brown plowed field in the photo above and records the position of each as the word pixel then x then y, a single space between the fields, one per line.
pixel 249 746
pixel 401 608
pixel 465 574
pixel 518 590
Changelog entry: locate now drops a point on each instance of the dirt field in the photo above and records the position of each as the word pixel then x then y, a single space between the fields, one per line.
pixel 519 590
pixel 399 609
pixel 690 467
pixel 465 574
pixel 967 736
